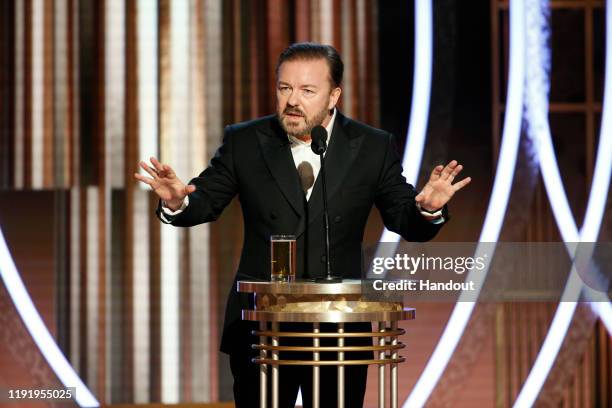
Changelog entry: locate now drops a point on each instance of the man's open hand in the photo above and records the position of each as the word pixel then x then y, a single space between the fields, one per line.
pixel 165 183
pixel 439 189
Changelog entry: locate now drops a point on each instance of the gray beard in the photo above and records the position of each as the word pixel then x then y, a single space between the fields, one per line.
pixel 309 124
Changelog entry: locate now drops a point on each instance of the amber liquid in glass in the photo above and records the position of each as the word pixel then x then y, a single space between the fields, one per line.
pixel 283 258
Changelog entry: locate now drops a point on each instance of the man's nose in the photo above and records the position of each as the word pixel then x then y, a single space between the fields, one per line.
pixel 294 99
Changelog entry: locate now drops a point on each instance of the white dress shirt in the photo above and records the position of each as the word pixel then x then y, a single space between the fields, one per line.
pixel 301 152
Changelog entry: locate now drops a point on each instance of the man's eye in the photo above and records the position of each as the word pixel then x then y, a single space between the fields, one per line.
pixel 309 92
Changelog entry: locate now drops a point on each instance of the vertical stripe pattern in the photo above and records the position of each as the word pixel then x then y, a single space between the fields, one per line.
pixel 98 86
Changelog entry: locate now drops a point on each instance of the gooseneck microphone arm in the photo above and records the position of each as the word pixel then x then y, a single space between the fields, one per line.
pixel 319 145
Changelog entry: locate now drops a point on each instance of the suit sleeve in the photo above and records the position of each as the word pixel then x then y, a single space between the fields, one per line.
pixel 395 201
pixel 216 186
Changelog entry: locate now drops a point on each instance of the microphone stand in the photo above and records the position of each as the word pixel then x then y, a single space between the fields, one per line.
pixel 329 278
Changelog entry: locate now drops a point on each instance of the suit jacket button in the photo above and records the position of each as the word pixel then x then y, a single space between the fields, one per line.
pixel 337 218
pixel 323 259
pixel 273 215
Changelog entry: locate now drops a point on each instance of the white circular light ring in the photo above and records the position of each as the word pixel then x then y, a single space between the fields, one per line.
pixel 421 94
pixel 419 109
pixel 537 114
pixel 38 330
pixel 492 225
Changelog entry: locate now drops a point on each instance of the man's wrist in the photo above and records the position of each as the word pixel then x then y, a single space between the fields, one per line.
pixel 173 206
pixel 168 210
pixel 429 213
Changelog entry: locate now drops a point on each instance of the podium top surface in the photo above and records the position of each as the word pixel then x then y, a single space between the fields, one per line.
pixel 346 287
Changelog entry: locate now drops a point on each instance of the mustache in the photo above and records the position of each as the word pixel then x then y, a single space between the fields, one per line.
pixel 289 111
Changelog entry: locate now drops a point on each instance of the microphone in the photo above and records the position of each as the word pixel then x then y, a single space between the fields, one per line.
pixel 318 135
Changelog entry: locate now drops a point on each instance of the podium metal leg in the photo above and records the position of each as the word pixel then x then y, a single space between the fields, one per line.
pixel 275 368
pixel 394 369
pixel 341 368
pixel 381 368
pixel 263 369
pixel 315 368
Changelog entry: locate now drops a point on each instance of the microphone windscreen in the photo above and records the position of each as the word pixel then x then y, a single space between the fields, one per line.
pixel 306 173
pixel 319 139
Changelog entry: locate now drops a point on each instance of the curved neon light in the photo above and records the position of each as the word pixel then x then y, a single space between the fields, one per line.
pixel 590 229
pixel 421 89
pixel 421 94
pixel 37 329
pixel 497 204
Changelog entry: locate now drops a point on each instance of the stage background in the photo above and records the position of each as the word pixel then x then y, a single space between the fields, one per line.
pixel 88 88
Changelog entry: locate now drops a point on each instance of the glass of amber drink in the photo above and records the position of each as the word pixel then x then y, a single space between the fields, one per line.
pixel 283 253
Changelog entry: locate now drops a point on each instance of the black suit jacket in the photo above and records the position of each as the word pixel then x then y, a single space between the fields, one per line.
pixel 255 162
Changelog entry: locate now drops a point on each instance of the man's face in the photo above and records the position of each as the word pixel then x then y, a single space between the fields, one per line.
pixel 304 95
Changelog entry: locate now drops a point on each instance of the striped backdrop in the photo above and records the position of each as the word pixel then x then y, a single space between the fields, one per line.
pixel 89 88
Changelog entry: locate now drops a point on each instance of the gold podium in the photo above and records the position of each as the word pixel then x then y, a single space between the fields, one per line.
pixel 310 302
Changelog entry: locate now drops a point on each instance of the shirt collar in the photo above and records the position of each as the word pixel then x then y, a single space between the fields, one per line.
pixel 330 126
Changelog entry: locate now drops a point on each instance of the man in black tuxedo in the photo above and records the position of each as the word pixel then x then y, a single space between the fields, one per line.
pixel 268 163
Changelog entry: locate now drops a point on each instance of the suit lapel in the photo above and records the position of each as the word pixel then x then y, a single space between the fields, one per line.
pixel 341 154
pixel 277 154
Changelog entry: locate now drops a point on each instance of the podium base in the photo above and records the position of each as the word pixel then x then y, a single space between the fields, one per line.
pixel 307 302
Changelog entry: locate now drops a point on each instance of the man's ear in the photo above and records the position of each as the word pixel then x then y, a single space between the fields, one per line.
pixel 335 95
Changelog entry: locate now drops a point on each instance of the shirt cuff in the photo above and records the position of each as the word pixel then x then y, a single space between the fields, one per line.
pixel 433 217
pixel 438 220
pixel 170 213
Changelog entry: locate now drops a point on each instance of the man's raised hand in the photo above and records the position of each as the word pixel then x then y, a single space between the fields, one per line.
pixel 439 189
pixel 165 183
